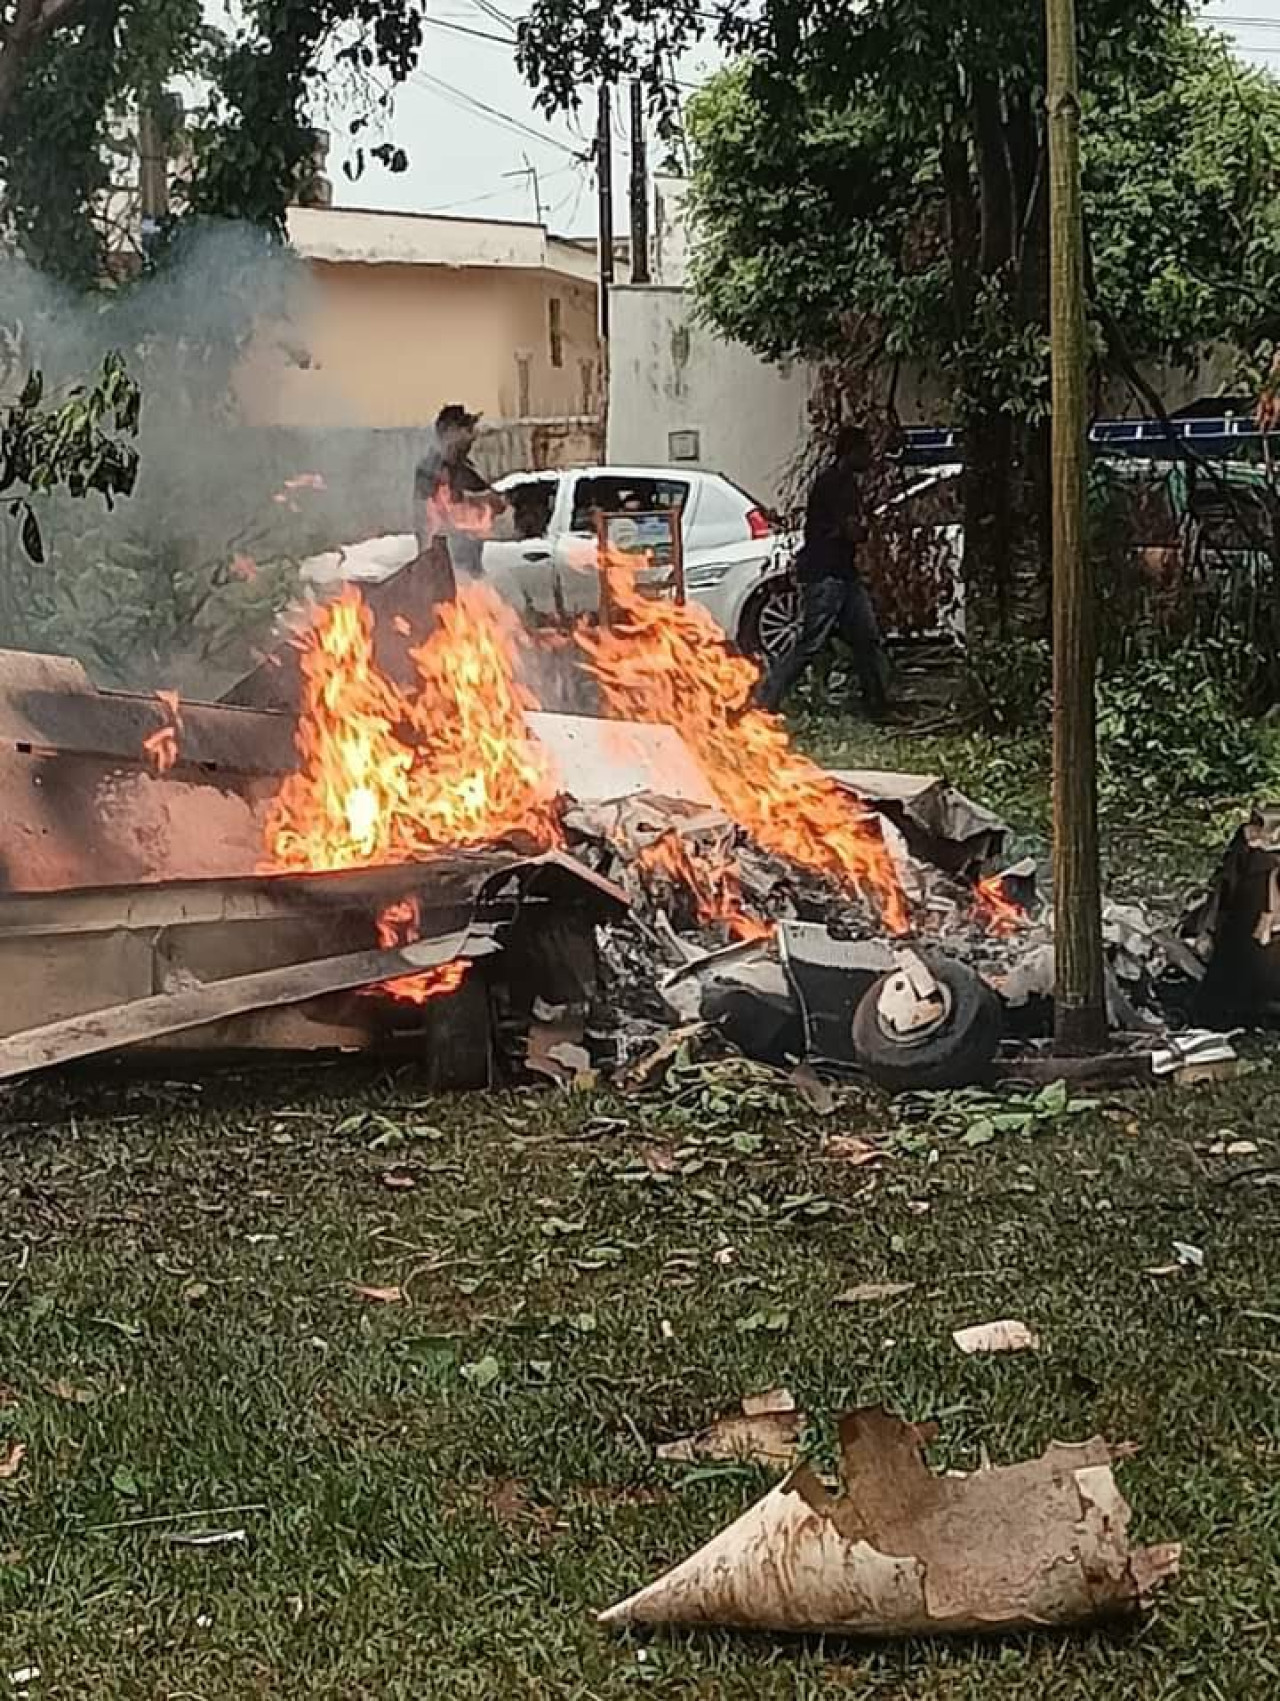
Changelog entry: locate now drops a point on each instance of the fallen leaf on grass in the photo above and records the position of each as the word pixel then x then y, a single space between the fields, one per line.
pixel 11 1460
pixel 1006 1336
pixel 849 1149
pixel 398 1182
pixel 380 1296
pixel 1233 1149
pixel 1164 1269
pixel 770 1321
pixel 659 1160
pixel 867 1293
pixel 1191 1256
pixel 813 1089
pixel 901 1552
pixel 61 1389
pixel 512 1507
pixel 9 1395
pixel 194 1292
pixel 483 1373
pixel 766 1431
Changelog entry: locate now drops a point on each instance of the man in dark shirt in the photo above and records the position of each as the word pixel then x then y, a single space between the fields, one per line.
pixel 833 599
pixel 454 505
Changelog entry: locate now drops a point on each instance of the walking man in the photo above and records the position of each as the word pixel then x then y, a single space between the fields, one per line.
pixel 833 599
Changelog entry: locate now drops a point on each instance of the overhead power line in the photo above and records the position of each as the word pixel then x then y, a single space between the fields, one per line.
pixel 469 102
pixel 465 29
pixel 499 17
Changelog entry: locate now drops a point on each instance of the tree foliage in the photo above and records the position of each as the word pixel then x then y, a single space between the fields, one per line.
pixel 80 442
pixel 176 583
pixel 836 223
pixel 71 70
pixel 871 179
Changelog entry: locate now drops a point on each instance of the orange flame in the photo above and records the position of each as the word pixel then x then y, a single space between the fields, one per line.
pixel 713 883
pixel 387 774
pixel 398 925
pixel 667 662
pixel 446 513
pixel 995 908
pixel 161 746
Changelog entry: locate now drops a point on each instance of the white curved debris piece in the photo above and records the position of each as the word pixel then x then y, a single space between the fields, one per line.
pixel 1007 1335
pixel 902 1552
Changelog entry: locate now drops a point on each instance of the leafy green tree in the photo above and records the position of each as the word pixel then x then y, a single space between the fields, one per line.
pixel 183 580
pixel 81 442
pixel 870 180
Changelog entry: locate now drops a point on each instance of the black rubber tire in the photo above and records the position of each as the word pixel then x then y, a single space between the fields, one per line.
pixel 750 641
pixel 957 1055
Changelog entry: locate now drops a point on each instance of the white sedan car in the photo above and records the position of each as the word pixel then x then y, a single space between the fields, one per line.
pixel 541 556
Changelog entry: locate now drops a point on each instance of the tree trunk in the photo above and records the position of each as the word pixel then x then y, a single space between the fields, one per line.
pixel 1080 1018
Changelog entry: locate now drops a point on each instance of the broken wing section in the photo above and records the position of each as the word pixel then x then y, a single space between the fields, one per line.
pixel 901 1551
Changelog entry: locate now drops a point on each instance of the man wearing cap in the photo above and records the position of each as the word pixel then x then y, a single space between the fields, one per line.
pixel 454 505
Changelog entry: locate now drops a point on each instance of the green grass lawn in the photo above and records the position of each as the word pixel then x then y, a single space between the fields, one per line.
pixel 439 1490
pixel 445 1488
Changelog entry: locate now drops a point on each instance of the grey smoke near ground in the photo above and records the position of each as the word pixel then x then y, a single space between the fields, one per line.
pixel 179 584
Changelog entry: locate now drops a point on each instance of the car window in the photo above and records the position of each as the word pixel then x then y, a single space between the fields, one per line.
pixel 620 493
pixel 720 516
pixel 531 501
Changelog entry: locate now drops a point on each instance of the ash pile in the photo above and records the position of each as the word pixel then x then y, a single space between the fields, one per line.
pixel 792 967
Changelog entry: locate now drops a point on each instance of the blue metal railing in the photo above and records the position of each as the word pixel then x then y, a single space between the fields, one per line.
pixel 931 446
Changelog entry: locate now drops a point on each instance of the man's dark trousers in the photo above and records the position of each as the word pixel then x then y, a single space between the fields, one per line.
pixel 832 606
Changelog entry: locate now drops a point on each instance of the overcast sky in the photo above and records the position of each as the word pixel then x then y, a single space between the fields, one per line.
pixel 463 159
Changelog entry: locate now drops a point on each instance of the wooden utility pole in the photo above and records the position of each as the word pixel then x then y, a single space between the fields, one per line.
pixel 153 169
pixel 1080 1013
pixel 639 188
pixel 604 193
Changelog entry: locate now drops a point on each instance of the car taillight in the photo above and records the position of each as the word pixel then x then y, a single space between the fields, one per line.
pixel 759 523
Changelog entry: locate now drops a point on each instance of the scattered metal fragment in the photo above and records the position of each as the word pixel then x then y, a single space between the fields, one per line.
pixel 1008 1335
pixel 871 1293
pixel 901 1552
pixel 206 1538
pixel 766 1431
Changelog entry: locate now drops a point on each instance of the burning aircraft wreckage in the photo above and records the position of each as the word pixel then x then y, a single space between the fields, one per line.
pixel 424 861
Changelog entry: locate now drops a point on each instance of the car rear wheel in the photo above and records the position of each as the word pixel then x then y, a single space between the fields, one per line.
pixel 770 620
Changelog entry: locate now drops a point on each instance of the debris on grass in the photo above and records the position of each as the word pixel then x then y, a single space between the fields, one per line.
pixel 1200 1055
pixel 206 1538
pixel 62 1389
pixel 851 1149
pixel 1234 1149
pixel 379 1296
pixel 766 1431
pixel 902 1552
pixel 815 1092
pixel 11 1460
pixel 1008 1335
pixel 1187 1254
pixel 24 1676
pixel 511 1506
pixel 871 1293
pixel 673 1048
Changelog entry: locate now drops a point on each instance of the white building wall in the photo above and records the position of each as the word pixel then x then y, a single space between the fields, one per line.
pixel 670 230
pixel 680 395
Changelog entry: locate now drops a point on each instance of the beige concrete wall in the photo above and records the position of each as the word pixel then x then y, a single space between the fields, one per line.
pixel 386 345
